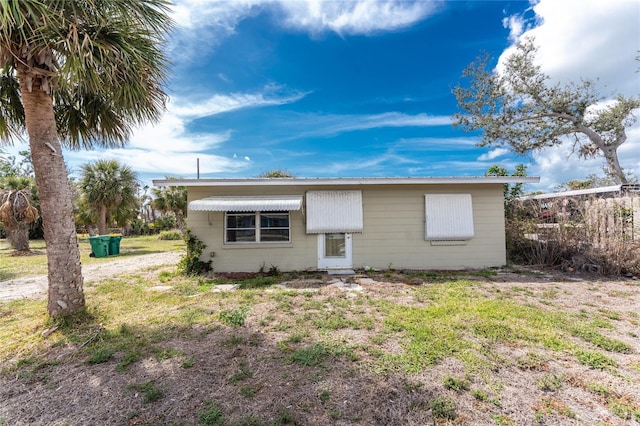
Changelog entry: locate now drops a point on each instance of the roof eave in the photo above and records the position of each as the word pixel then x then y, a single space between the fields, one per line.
pixel 344 181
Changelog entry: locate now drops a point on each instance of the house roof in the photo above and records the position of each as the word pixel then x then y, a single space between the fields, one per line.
pixel 345 181
pixel 614 189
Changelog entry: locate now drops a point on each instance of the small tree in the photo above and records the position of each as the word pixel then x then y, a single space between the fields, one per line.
pixel 511 191
pixel 276 173
pixel 19 203
pixel 16 213
pixel 171 199
pixel 109 190
pixel 518 107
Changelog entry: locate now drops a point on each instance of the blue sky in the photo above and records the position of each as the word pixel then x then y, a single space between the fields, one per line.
pixel 363 88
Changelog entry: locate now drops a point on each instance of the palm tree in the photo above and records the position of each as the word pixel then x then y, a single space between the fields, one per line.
pixel 17 210
pixel 81 74
pixel 18 200
pixel 172 199
pixel 109 189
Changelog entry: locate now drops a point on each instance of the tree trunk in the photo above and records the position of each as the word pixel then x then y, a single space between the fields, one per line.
pixel 615 171
pixel 102 220
pixel 63 255
pixel 19 237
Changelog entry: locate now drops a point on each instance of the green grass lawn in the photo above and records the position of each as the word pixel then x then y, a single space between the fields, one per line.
pixel 12 267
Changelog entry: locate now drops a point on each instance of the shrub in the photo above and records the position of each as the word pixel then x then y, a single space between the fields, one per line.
pixel 139 227
pixel 165 222
pixel 593 235
pixel 170 235
pixel 190 263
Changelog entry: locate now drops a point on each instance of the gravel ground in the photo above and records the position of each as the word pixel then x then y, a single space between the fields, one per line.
pixel 36 286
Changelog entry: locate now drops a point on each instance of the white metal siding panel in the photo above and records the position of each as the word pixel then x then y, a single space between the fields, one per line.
pixel 247 204
pixel 334 211
pixel 448 217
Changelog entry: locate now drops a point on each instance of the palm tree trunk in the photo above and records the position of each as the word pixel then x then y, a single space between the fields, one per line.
pixel 63 255
pixel 19 237
pixel 102 220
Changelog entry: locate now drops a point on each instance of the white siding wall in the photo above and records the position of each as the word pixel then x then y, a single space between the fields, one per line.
pixel 393 233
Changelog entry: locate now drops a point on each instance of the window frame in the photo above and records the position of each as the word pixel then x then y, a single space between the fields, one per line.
pixel 258 228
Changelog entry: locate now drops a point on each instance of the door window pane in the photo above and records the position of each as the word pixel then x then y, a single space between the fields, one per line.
pixel 334 245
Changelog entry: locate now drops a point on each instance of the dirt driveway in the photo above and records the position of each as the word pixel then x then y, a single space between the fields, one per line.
pixel 36 286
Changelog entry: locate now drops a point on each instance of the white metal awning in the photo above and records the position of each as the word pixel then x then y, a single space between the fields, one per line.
pixel 247 204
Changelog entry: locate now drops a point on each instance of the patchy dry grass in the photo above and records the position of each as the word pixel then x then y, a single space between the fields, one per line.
pixel 472 350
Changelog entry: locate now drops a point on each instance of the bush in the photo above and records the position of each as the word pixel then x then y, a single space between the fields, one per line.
pixel 164 222
pixel 586 236
pixel 170 235
pixel 139 227
pixel 190 263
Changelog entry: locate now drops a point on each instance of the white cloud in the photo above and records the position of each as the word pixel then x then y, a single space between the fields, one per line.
pixel 308 125
pixel 592 39
pixel 437 144
pixel 159 163
pixel 203 24
pixel 217 104
pixel 493 154
pixel 168 148
pixel 516 25
pixel 354 17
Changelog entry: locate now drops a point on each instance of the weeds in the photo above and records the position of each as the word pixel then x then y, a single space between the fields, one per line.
pixel 595 359
pixel 243 374
pixel 310 356
pixel 211 416
pixel 549 382
pixel 455 384
pixel 590 235
pixel 249 391
pixel 150 392
pixel 235 317
pixel 100 355
pixel 443 407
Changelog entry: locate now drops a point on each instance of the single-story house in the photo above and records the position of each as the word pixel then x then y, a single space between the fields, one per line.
pixel 347 223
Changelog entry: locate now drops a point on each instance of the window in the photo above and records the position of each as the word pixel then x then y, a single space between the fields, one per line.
pixel 448 217
pixel 334 211
pixel 257 227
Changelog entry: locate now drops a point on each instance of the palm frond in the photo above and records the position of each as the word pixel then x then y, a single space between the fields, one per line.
pixel 11 109
pixel 102 61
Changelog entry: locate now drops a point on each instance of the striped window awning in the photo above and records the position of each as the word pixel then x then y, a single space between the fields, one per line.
pixel 247 204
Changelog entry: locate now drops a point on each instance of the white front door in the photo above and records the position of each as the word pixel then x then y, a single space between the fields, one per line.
pixel 335 251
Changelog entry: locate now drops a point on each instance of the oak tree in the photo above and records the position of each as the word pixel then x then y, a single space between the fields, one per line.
pixel 519 107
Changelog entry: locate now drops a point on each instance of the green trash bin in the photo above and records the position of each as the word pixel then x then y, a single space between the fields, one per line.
pixel 114 244
pixel 100 246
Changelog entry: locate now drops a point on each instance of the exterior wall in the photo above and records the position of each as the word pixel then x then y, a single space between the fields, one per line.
pixel 393 233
